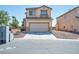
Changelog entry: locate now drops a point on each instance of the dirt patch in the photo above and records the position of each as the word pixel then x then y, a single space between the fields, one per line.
pixel 19 35
pixel 65 35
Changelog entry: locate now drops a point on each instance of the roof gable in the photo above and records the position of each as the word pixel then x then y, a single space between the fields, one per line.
pixel 39 7
pixel 44 6
pixel 68 12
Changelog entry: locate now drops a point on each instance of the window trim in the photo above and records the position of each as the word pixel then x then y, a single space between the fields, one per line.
pixel 31 12
pixel 43 13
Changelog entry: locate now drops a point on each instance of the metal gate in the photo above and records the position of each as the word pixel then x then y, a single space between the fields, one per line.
pixel 2 35
pixel 5 35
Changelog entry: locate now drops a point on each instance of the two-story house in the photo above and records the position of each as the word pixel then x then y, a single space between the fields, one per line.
pixel 69 21
pixel 38 19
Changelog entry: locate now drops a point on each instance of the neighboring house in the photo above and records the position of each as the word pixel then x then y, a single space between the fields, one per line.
pixel 38 19
pixel 69 21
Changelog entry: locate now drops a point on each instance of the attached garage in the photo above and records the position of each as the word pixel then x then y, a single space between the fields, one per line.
pixel 39 27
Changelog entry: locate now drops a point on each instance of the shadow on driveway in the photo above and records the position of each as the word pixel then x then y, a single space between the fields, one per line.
pixel 39 33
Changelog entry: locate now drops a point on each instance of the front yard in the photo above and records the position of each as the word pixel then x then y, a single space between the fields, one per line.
pixel 65 35
pixel 19 35
pixel 57 34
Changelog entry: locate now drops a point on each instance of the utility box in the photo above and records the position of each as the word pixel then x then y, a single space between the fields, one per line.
pixel 5 35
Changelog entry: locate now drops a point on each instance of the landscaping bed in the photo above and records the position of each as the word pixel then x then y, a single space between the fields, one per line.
pixel 65 35
pixel 19 35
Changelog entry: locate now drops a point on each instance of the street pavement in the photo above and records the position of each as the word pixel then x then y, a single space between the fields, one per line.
pixel 58 46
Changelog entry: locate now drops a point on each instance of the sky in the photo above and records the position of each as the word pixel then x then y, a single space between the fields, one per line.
pixel 19 10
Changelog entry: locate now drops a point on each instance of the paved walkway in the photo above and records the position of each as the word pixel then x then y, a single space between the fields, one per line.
pixel 40 47
pixel 37 36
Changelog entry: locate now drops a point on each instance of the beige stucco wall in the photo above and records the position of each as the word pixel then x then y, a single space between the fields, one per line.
pixel 38 11
pixel 77 21
pixel 69 21
pixel 37 14
pixel 49 21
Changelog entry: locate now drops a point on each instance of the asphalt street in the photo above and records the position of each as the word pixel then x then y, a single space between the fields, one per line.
pixel 40 47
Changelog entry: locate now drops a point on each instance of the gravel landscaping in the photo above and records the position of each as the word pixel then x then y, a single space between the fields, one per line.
pixel 57 34
pixel 65 35
pixel 19 35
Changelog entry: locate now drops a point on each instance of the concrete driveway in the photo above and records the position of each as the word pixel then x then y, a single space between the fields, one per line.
pixel 40 47
pixel 38 36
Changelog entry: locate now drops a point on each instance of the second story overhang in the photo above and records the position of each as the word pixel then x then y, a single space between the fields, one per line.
pixel 38 17
pixel 39 12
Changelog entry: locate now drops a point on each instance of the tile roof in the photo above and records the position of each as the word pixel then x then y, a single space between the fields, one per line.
pixel 38 7
pixel 68 11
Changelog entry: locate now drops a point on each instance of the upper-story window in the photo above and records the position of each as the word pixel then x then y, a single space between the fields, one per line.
pixel 44 13
pixel 31 12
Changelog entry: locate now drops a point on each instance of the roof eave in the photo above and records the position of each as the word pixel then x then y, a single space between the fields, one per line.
pixel 67 12
pixel 38 7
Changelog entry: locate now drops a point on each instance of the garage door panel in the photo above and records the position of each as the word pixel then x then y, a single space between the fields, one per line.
pixel 38 27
